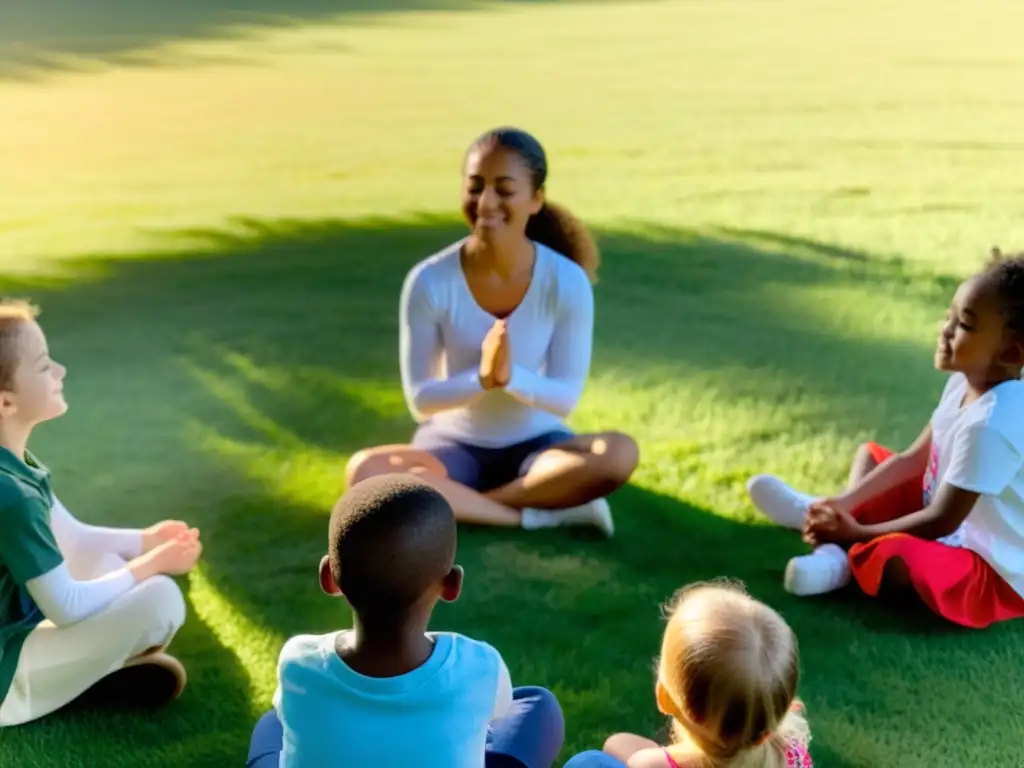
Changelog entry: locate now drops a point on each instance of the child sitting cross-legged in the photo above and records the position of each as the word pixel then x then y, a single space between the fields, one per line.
pixel 388 692
pixel 941 522
pixel 86 611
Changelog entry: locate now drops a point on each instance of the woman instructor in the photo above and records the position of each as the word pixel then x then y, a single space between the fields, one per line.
pixel 496 333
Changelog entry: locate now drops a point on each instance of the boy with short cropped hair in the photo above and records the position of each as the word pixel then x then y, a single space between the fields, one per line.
pixel 388 692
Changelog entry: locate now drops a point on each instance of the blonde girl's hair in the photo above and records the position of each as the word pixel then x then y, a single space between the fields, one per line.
pixel 730 666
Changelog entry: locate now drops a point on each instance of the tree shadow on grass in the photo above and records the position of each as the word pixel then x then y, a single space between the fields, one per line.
pixel 582 616
pixel 202 728
pixel 42 37
pixel 751 313
pixel 671 304
pixel 227 380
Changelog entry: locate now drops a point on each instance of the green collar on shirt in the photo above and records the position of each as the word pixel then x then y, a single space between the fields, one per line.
pixel 29 471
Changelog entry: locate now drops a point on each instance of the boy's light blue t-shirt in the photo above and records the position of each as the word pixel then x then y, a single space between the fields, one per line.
pixel 433 717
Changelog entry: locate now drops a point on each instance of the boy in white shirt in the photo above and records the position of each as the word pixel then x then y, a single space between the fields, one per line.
pixel 388 692
pixel 945 517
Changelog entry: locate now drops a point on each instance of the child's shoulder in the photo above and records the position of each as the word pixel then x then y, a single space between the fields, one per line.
pixel 16 496
pixel 23 482
pixel 306 650
pixel 465 644
pixel 1003 409
pixel 440 265
pixel 466 651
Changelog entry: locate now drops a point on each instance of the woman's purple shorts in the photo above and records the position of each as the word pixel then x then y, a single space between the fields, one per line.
pixel 484 468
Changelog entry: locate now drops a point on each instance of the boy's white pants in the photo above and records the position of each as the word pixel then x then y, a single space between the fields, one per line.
pixel 58 664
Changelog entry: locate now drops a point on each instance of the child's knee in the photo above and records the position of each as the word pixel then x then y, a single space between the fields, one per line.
pixel 619 744
pixel 543 704
pixel 542 697
pixel 896 575
pixel 161 606
pixel 622 746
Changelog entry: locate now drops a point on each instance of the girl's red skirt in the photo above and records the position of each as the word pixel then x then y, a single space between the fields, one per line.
pixel 954 582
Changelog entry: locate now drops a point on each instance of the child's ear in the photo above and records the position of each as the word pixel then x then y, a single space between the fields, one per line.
pixel 665 704
pixel 6 405
pixel 1013 355
pixel 451 587
pixel 539 198
pixel 327 582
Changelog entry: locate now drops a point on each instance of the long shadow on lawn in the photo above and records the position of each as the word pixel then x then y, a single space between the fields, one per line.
pixel 199 729
pixel 231 378
pixel 38 36
pixel 582 616
pixel 671 304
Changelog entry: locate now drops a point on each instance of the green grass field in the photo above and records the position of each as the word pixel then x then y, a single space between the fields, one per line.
pixel 215 204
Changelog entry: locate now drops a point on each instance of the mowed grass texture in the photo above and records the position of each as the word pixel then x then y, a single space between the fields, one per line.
pixel 215 205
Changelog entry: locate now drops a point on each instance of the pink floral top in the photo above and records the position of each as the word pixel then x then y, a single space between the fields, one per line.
pixel 797 756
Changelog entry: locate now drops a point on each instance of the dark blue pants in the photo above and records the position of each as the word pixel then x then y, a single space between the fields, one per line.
pixel 484 469
pixel 594 759
pixel 529 736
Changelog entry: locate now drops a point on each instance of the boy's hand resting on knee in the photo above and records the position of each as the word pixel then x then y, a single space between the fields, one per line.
pixel 157 534
pixel 173 558
pixel 827 523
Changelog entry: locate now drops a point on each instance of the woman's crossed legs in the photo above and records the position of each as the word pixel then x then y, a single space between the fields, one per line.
pixel 558 471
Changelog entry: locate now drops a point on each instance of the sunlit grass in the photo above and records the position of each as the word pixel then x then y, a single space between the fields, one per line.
pixel 889 128
pixel 216 216
pixel 234 631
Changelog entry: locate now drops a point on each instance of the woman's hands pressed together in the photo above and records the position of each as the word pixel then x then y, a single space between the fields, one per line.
pixel 495 358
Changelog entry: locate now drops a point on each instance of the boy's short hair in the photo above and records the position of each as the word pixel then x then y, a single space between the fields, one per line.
pixel 13 314
pixel 391 538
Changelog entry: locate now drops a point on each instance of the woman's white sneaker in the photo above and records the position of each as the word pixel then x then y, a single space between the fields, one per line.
pixel 596 514
pixel 824 570
pixel 780 503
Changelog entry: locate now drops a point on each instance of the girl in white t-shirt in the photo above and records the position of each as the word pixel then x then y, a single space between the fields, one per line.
pixel 946 516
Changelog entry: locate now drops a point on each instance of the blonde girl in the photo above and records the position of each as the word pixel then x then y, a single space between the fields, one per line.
pixel 727 677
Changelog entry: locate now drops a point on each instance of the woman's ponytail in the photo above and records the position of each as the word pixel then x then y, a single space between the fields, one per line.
pixel 558 229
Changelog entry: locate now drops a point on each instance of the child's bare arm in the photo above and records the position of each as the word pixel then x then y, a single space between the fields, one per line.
pixel 940 518
pixel 982 461
pixel 903 466
pixel 623 746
